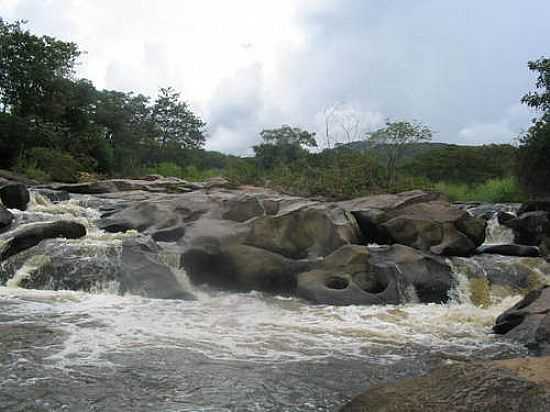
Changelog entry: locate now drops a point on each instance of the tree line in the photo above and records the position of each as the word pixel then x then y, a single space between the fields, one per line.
pixel 55 126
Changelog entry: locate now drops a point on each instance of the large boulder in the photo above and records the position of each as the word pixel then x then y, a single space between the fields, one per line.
pixel 240 267
pixel 15 196
pixel 384 275
pixel 528 322
pixel 141 272
pixel 304 230
pixel 521 384
pixel 32 234
pixel 5 218
pixel 422 220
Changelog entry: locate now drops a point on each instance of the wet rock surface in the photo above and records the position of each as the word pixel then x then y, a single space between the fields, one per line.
pixel 14 196
pixel 5 218
pixel 512 385
pixel 31 235
pixel 528 322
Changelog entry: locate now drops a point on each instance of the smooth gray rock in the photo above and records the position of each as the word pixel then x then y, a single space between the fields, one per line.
pixel 32 234
pixel 386 275
pixel 528 322
pixel 422 220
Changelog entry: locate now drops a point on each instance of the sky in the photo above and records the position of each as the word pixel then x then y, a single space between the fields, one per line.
pixel 460 67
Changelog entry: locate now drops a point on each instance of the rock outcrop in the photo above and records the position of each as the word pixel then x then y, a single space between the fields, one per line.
pixel 15 196
pixel 32 234
pixel 159 185
pixel 383 275
pixel 521 384
pixel 422 220
pixel 528 322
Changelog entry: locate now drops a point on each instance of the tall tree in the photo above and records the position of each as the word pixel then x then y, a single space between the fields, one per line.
pixel 393 140
pixel 176 124
pixel 283 145
pixel 534 148
pixel 29 67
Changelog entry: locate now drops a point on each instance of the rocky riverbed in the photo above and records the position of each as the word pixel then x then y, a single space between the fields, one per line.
pixel 160 294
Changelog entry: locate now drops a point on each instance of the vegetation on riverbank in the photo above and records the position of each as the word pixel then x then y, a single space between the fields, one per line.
pixel 54 126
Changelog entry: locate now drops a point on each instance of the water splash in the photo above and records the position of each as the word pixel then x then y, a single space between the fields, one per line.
pixel 26 271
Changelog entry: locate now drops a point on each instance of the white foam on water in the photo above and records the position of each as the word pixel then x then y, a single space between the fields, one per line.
pixel 496 233
pixel 252 326
pixel 25 272
pixel 241 326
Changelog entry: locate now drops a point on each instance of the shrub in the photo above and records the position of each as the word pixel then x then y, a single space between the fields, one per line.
pixel 190 172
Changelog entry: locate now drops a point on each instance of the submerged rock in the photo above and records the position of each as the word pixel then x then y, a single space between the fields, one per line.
pixel 528 322
pixel 521 384
pixel 15 196
pixel 32 234
pixel 422 220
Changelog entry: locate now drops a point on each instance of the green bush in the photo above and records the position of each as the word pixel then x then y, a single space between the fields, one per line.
pixel 43 164
pixel 492 191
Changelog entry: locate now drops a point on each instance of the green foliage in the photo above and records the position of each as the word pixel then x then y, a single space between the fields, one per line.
pixel 394 139
pixel 492 191
pixel 169 169
pixel 282 146
pixel 534 150
pixel 463 164
pixel 109 132
pixel 286 135
pixel 29 67
pixel 175 124
pixel 540 99
pixel 45 164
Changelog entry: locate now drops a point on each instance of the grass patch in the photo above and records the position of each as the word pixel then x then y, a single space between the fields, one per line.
pixel 192 173
pixel 493 191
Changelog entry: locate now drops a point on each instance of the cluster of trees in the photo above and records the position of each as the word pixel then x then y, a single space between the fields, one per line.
pixel 53 125
pixel 534 152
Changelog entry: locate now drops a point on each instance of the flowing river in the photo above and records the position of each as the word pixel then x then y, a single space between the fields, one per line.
pixel 77 351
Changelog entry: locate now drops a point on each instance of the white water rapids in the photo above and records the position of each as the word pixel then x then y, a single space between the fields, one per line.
pixel 98 328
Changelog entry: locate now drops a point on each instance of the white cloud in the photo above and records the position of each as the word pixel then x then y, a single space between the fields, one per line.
pixel 245 65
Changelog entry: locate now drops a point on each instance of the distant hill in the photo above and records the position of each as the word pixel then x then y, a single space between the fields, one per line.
pixel 411 151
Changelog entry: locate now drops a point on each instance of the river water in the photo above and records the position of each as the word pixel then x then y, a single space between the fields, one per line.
pixel 77 351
